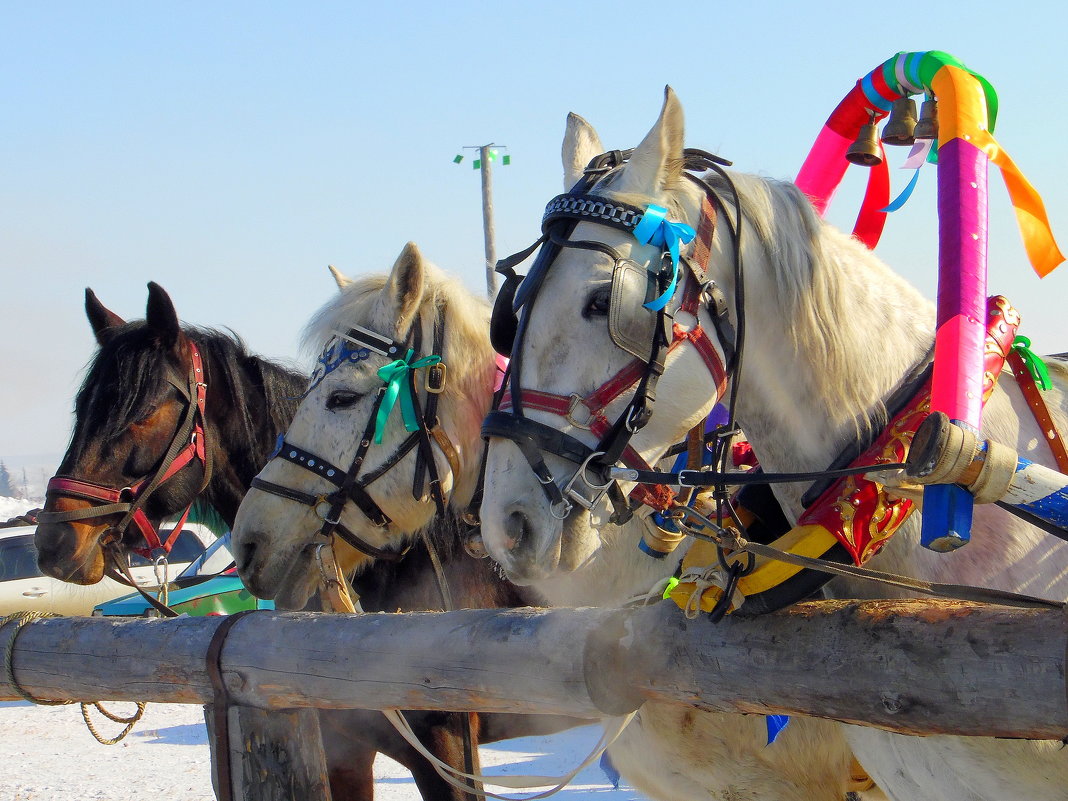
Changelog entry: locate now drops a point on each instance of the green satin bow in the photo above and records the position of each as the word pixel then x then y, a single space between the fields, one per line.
pixel 395 374
pixel 1035 365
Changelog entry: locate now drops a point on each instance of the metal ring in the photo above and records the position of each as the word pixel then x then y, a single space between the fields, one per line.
pixel 555 509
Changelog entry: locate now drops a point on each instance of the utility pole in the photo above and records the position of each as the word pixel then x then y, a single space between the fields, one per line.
pixel 486 155
pixel 487 219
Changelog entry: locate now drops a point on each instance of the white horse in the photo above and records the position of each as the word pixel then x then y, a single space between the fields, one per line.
pixel 830 332
pixel 271 533
pixel 673 753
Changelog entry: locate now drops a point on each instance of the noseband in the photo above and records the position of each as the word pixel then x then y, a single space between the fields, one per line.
pixel 627 314
pixel 188 444
pixel 349 485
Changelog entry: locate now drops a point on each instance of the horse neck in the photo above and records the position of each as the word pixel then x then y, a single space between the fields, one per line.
pixel 247 408
pixel 817 370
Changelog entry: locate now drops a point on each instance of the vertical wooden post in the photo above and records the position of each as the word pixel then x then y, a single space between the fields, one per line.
pixel 276 755
pixel 487 219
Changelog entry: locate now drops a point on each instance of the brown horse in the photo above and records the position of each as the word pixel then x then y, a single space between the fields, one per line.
pixel 134 398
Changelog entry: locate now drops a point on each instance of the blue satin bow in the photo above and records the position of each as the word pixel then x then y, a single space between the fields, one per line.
pixel 655 229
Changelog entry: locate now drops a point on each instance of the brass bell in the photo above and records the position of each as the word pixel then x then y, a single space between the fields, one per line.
pixel 927 127
pixel 899 128
pixel 865 150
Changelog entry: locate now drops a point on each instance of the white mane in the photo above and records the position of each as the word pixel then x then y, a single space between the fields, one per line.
pixel 822 282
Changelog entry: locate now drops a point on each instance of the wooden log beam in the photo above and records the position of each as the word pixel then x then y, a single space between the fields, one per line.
pixel 918 667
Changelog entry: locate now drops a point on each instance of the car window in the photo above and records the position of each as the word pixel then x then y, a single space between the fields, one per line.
pixel 18 559
pixel 186 548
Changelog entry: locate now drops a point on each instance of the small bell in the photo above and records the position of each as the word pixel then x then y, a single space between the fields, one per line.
pixel 865 150
pixel 927 127
pixel 899 128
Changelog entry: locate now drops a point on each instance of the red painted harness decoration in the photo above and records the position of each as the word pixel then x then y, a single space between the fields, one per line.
pixel 859 511
pixel 195 449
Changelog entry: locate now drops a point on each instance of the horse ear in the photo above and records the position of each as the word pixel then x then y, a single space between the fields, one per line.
pixel 160 314
pixel 101 318
pixel 581 144
pixel 404 287
pixel 656 164
pixel 340 278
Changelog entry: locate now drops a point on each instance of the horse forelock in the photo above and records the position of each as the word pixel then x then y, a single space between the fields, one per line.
pixel 123 383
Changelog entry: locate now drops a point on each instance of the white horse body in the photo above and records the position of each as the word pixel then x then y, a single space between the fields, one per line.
pixel 830 333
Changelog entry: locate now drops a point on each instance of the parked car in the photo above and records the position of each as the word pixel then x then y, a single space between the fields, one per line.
pixel 208 586
pixel 24 588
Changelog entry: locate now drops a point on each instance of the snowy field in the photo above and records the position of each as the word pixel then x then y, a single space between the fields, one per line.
pixel 47 754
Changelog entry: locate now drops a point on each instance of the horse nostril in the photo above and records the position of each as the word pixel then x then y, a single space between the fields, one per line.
pixel 244 555
pixel 516 527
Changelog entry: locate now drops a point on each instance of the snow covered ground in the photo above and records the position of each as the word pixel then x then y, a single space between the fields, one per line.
pixel 47 754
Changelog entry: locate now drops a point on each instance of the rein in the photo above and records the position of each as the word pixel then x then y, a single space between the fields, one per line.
pixel 425 433
pixel 188 444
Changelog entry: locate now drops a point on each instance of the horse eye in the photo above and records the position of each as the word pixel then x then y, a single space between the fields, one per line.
pixel 343 399
pixel 597 303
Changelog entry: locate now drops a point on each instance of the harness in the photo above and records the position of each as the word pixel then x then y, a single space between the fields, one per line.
pixel 188 444
pixel 349 485
pixel 648 334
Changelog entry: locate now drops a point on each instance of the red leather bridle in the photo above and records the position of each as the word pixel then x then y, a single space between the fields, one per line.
pixel 188 444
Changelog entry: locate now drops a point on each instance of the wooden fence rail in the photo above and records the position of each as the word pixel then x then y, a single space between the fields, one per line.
pixel 919 667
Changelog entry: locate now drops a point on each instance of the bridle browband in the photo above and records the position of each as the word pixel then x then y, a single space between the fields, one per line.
pixel 188 444
pixel 349 485
pixel 591 481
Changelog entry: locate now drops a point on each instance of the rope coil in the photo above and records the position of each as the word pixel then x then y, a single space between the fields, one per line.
pixel 21 619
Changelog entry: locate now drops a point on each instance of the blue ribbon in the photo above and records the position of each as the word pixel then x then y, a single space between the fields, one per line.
pixel 395 374
pixel 655 229
pixel 776 723
pixel 906 193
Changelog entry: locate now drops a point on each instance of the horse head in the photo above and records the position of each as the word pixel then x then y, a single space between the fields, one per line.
pixel 137 451
pixel 585 340
pixel 385 436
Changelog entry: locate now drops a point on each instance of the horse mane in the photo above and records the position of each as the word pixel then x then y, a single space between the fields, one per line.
pixel 125 380
pixel 840 300
pixel 467 350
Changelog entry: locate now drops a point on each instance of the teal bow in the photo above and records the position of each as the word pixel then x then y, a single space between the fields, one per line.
pixel 395 374
pixel 1035 365
pixel 655 229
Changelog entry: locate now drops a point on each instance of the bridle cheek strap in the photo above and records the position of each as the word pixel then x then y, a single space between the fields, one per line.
pixel 130 500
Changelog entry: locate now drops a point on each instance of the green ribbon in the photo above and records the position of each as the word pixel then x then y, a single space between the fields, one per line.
pixel 395 374
pixel 1035 365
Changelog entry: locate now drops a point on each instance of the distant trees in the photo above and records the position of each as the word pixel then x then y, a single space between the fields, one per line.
pixel 7 486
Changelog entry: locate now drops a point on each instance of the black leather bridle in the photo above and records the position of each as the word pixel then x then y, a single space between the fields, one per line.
pixel 512 312
pixel 349 485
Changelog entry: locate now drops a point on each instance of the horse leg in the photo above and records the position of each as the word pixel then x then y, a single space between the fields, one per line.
pixel 350 734
pixel 349 758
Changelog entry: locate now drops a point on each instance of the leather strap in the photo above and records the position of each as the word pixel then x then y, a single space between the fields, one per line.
pixel 220 706
pixel 1033 395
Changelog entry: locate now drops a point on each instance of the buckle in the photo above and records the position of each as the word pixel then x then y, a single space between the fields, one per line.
pixel 576 402
pixel 435 378
pixel 573 490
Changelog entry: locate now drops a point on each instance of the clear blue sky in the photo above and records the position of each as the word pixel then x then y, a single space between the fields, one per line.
pixel 230 151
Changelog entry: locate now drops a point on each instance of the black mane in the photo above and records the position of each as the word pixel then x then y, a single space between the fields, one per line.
pixel 128 376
